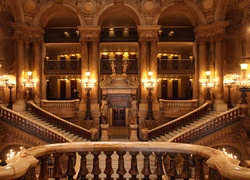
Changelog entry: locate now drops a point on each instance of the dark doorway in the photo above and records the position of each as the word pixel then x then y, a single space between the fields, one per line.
pixel 175 89
pixel 63 89
pixel 49 89
pixel 118 117
pixel 73 85
pixel 164 89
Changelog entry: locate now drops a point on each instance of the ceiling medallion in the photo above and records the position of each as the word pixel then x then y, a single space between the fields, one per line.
pixel 149 5
pixel 29 5
pixel 208 4
pixel 88 6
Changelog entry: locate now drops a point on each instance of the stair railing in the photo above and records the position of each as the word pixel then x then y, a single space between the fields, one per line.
pixel 207 127
pixel 62 123
pixel 176 123
pixel 31 126
pixel 123 160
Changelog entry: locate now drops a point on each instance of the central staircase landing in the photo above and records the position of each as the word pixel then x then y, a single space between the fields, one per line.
pixel 118 132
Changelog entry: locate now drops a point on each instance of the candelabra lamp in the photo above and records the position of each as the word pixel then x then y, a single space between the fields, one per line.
pixel 29 84
pixel 208 85
pixel 229 84
pixel 88 86
pixel 10 86
pixel 149 84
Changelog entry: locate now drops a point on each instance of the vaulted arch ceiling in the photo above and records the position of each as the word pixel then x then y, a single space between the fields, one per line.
pixel 63 19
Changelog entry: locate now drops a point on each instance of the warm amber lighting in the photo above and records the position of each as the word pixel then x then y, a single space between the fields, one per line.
pixel 88 73
pixel 208 73
pixel 150 73
pixel 29 73
pixel 243 66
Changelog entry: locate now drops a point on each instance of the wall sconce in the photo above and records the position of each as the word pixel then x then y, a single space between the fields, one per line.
pixel 88 85
pixel 150 84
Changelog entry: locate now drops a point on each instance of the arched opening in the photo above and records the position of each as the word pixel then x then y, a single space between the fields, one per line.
pixel 175 51
pixel 63 54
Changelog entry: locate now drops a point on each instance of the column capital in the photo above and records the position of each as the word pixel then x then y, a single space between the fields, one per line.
pixel 89 32
pixel 148 32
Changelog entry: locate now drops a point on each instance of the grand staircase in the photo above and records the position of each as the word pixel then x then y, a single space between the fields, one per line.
pixel 34 118
pixel 169 136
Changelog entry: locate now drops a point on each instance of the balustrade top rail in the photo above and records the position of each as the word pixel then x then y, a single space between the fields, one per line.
pixel 176 123
pixel 178 104
pixel 218 162
pixel 207 126
pixel 49 117
pixel 32 126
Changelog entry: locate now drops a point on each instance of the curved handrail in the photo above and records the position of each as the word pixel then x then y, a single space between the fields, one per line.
pixel 207 126
pixel 29 124
pixel 176 123
pixel 51 118
pixel 215 158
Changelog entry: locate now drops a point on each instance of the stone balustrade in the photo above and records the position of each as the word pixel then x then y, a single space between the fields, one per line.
pixel 61 108
pixel 123 160
pixel 177 108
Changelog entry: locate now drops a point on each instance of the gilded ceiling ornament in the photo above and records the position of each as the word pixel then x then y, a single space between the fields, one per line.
pixel 89 6
pixel 149 6
pixel 207 4
pixel 29 5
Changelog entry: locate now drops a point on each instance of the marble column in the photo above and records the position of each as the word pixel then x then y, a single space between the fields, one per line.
pixel 143 67
pixel 202 65
pixel 94 63
pixel 153 64
pixel 84 69
pixel 19 104
pixel 218 35
pixel 37 70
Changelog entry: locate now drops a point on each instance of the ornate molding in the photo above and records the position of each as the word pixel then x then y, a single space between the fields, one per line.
pixel 11 135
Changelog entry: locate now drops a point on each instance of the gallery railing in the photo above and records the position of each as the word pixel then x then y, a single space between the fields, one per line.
pixel 62 66
pixel 123 160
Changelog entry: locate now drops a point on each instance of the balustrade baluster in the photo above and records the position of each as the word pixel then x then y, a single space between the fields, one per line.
pixel 159 168
pixel 108 169
pixel 96 168
pixel 70 170
pixel 172 166
pixel 133 169
pixel 146 166
pixel 83 167
pixel 44 174
pixel 186 174
pixel 199 171
pixel 121 171
pixel 57 173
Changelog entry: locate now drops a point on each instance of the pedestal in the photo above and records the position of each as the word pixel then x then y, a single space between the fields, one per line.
pixel 105 132
pixel 19 106
pixel 133 132
pixel 220 106
pixel 144 134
